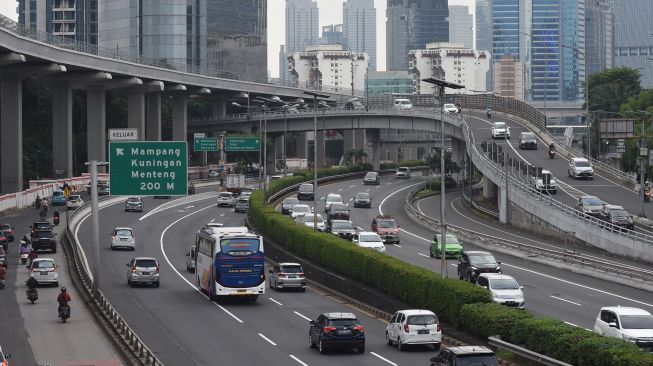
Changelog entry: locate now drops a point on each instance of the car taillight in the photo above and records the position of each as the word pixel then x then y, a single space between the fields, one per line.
pixel 282 275
pixel 438 327
pixel 300 274
pixel 359 328
pixel 134 269
pixel 406 330
pixel 10 231
pixel 328 329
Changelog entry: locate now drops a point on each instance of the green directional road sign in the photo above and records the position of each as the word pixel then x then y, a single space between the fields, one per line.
pixel 148 168
pixel 242 144
pixel 206 144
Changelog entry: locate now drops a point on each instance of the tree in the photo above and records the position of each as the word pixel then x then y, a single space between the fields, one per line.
pixel 450 166
pixel 611 88
pixel 354 156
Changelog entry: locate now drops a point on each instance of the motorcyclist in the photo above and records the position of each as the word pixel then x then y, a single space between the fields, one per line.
pixel 55 217
pixel 552 150
pixel 25 239
pixel 32 284
pixel 3 272
pixel 31 257
pixel 63 299
pixel 24 249
pixel 488 110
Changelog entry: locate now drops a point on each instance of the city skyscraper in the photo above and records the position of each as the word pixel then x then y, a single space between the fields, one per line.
pixel 599 35
pixel 237 38
pixel 483 26
pixel 505 28
pixel 72 19
pixel 461 24
pixel 632 37
pixel 410 25
pixel 173 33
pixel 359 25
pixel 302 29
pixel 332 34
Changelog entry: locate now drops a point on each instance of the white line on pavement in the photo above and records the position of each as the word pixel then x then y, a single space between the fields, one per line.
pixel 275 301
pixel 397 245
pixel 298 360
pixel 221 215
pixel 383 358
pixel 303 316
pixel 267 339
pixel 212 220
pixel 423 255
pixel 565 300
pixel 352 186
pixel 340 190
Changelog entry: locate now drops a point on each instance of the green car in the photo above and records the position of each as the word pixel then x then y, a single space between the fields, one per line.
pixel 454 247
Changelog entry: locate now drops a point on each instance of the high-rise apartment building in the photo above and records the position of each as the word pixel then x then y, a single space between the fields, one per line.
pixel 328 67
pixel 599 35
pixel 174 33
pixel 410 25
pixel 632 37
pixel 72 19
pixel 389 82
pixel 509 76
pixel 302 29
pixel 359 21
pixel 461 24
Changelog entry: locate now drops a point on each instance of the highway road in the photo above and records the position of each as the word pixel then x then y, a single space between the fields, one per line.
pixel 183 327
pixel 551 292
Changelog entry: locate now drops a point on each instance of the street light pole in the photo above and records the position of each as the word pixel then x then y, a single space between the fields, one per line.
pixel 315 96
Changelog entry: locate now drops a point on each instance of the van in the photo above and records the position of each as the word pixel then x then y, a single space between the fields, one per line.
pixel 403 104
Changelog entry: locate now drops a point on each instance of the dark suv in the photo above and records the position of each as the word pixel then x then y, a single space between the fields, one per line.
pixel 473 263
pixel 336 330
pixel 338 211
pixel 465 355
pixel 617 216
pixel 342 228
pixel 44 240
pixel 305 192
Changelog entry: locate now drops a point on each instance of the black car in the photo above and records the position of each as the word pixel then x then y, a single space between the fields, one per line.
pixel 337 330
pixel 305 192
pixel 40 226
pixel 372 178
pixel 362 199
pixel 342 228
pixel 338 211
pixel 7 231
pixel 473 263
pixel 527 140
pixel 465 355
pixel 44 240
pixel 617 216
pixel 286 205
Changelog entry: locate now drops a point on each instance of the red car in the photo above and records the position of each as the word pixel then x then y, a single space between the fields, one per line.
pixel 387 228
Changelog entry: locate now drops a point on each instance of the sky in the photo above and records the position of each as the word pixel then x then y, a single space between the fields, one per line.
pixel 330 13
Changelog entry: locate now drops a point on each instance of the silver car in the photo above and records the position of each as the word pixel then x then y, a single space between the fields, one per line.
pixel 225 199
pixel 362 199
pixel 143 271
pixel 287 275
pixel 44 270
pixel 190 262
pixel 241 205
pixel 134 204
pixel 123 237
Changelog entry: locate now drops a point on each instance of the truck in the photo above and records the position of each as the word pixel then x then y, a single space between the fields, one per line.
pixel 235 183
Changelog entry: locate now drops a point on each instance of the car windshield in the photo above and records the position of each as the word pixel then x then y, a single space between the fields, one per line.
pixel 306 188
pixel 123 232
pixel 504 284
pixel 451 239
pixel 369 238
pixel 224 195
pixel 370 175
pixel 619 213
pixel 528 136
pixel 342 225
pixel 5 226
pixel 43 264
pixel 292 269
pixel 134 200
pixel 387 224
pixel 146 263
pixel 290 201
pixel 499 125
pixel 482 259
pixel 74 198
pixel 343 322
pixel 57 193
pixel 636 321
pixel 43 234
pixel 300 208
pixel 42 225
pixel 362 196
pixel 338 206
pixel 242 202
pixel 403 169
pixel 241 246
pixel 334 198
pixel 591 201
pixel 582 164
pixel 476 360
pixel 311 218
pixel 424 319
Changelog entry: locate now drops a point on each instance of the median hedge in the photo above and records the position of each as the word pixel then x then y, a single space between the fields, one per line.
pixel 458 302
pixel 407 163
pixel 307 175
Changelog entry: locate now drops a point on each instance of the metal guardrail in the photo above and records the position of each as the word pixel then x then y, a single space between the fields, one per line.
pixel 478 207
pixel 525 353
pixel 119 326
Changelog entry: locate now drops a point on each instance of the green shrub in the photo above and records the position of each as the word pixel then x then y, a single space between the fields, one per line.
pixel 486 320
pixel 407 163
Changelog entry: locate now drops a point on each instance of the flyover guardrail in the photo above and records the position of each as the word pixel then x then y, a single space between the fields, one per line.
pixel 525 353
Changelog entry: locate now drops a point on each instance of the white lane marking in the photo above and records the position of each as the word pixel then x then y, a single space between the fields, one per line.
pixel 565 300
pixel 383 358
pixel 303 316
pixel 423 255
pixel 397 245
pixel 389 183
pixel 352 186
pixel 322 198
pixel 221 215
pixel 187 207
pixel 528 270
pixel 275 301
pixel 351 199
pixel 340 190
pixel 267 339
pixel 212 220
pixel 298 360
pixel 377 187
pixel 454 265
pixel 178 202
pixel 179 274
pixel 577 326
pixel 367 190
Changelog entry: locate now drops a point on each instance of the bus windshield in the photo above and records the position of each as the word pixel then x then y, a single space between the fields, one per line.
pixel 241 246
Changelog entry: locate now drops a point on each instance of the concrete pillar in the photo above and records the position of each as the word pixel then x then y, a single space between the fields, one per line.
pixel 153 117
pixel 62 130
pixel 301 148
pixel 458 151
pixel 96 125
pixel 11 136
pixel 320 149
pixel 503 206
pixel 136 113
pixel 489 189
pixel 373 147
pixel 219 109
pixel 278 147
pixel 179 117
pixel 353 139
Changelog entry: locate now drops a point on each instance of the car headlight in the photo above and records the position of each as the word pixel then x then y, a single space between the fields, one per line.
pixel 474 269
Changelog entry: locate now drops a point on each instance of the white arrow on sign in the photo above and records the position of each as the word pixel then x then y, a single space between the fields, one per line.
pixel 120 151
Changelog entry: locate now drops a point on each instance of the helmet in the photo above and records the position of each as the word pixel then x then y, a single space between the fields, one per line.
pixel 63 289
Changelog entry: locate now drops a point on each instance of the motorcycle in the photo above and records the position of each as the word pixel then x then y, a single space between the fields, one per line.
pixel 552 153
pixel 32 294
pixel 55 218
pixel 23 258
pixel 647 194
pixel 64 312
pixel 37 202
pixel 489 114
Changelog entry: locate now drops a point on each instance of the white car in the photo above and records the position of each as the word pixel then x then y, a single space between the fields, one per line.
pixel 450 108
pixel 225 199
pixel 123 237
pixel 44 270
pixel 403 104
pixel 308 220
pixel 370 240
pixel 332 198
pixel 414 327
pixel 403 172
pixel 504 289
pixel 74 202
pixel 300 209
pixel 499 129
pixel 580 168
pixel 546 182
pixel 632 324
